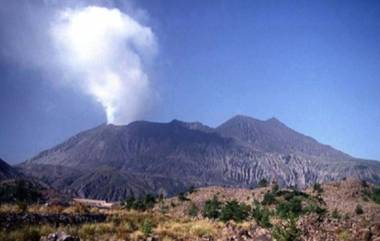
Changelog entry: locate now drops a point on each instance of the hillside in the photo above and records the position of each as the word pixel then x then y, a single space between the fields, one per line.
pixel 6 171
pixel 111 162
pixel 267 213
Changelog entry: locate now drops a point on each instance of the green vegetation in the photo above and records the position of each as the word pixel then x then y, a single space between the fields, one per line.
pixel 275 188
pixel 192 189
pixel 278 212
pixel 287 231
pixel 263 183
pixel 370 193
pixel 375 196
pixel 269 199
pixel 359 209
pixel 234 210
pixel 313 208
pixel 344 235
pixel 141 204
pixel 317 188
pixel 261 215
pixel 22 234
pixel 293 207
pixel 19 191
pixel 193 210
pixel 335 214
pixel 147 227
pixel 212 208
pixel 182 197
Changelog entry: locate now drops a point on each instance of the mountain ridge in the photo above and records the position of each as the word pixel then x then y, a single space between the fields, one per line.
pixel 111 162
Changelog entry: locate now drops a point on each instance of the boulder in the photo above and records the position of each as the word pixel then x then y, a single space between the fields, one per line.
pixel 59 236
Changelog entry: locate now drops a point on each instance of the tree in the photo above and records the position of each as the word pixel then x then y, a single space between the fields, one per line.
pixel 261 215
pixel 317 188
pixel 211 208
pixel 147 227
pixel 269 198
pixel 141 204
pixel 193 210
pixel 234 211
pixel 291 208
pixel 149 201
pixel 263 183
pixel 359 209
pixel 376 195
pixel 191 189
pixel 275 188
pixel 335 214
pixel 129 202
pixel 182 197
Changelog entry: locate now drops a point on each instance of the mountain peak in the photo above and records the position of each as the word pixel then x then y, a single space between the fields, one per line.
pixel 245 118
pixel 275 122
pixel 273 119
pixel 192 125
pixel 110 162
pixel 242 117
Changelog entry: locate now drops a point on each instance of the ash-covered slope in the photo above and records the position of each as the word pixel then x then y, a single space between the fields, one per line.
pixel 110 162
pixel 275 137
pixel 6 171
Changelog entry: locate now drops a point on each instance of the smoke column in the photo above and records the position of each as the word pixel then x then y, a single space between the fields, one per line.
pixel 106 50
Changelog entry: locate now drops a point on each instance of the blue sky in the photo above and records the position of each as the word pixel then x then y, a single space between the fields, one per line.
pixel 313 65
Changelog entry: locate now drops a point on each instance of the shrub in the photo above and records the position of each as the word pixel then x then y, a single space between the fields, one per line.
pixel 275 188
pixel 211 208
pixel 19 191
pixel 193 210
pixel 359 209
pixel 192 189
pixel 22 206
pixel 269 198
pixel 22 234
pixel 149 201
pixel 375 196
pixel 141 204
pixel 263 183
pixel 287 195
pixel 202 229
pixel 163 208
pixel 287 232
pixel 234 211
pixel 147 227
pixel 312 208
pixel 368 235
pixel 161 197
pixel 293 207
pixel 182 197
pixel 335 214
pixel 317 188
pixel 261 215
pixel 344 235
pixel 129 202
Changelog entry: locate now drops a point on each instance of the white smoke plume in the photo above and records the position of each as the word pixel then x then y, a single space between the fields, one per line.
pixel 106 50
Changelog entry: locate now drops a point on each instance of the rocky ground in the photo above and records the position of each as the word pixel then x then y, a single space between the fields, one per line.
pixel 335 211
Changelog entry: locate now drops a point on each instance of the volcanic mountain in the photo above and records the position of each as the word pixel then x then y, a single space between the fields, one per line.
pixel 7 171
pixel 111 162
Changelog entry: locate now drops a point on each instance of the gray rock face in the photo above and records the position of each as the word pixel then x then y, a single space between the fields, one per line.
pixel 111 162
